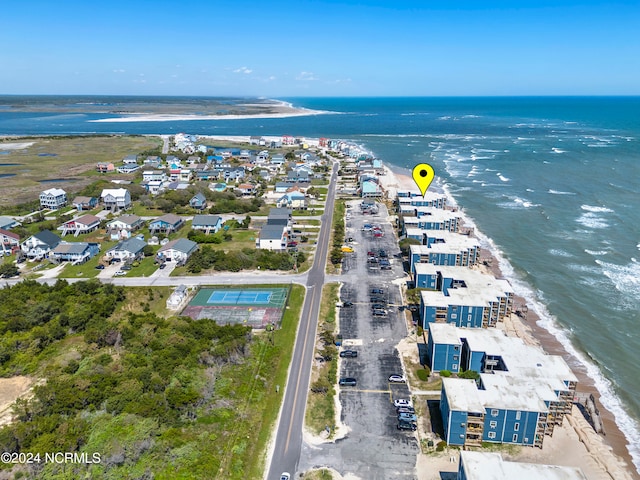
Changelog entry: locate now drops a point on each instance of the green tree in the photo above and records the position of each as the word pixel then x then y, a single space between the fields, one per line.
pixel 8 270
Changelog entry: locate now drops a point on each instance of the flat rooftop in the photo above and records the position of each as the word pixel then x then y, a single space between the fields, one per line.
pixel 449 241
pixel 491 466
pixel 430 214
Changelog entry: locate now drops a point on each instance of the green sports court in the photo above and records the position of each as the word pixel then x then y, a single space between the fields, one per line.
pixel 256 307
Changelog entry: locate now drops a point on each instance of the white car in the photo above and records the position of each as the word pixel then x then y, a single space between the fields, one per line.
pixel 397 379
pixel 119 273
pixel 285 476
pixel 402 402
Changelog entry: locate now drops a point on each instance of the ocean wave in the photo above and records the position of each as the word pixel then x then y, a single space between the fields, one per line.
pixel 558 150
pixel 591 208
pixel 502 177
pixel 595 253
pixel 591 220
pixel 559 192
pixel 556 252
pixel 625 278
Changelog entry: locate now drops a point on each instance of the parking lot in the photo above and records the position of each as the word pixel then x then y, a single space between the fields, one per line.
pixel 374 448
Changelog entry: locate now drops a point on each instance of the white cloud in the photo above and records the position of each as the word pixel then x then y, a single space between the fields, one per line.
pixel 119 70
pixel 245 70
pixel 306 76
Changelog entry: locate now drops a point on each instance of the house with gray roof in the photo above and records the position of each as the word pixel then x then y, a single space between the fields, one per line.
pixel 168 223
pixel 127 250
pixel 177 250
pixel 7 223
pixel 76 252
pixel 39 245
pixel 207 223
pixel 272 237
pixel 198 201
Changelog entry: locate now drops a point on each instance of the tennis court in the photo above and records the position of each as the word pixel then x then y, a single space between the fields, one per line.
pixel 256 307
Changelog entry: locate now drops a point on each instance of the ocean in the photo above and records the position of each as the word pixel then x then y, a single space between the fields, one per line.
pixel 550 182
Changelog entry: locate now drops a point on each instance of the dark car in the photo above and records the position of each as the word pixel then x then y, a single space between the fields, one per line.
pixel 99 267
pixel 378 305
pixel 347 381
pixel 377 299
pixel 349 354
pixel 126 267
pixel 402 425
pixel 379 291
pixel 162 265
pixel 383 253
pixel 347 304
pixel 379 312
pixel 292 244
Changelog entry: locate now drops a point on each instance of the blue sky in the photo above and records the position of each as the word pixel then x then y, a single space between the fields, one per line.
pixel 320 48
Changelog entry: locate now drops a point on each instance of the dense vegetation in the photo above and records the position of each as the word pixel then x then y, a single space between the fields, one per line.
pixel 154 397
pixel 336 254
pixel 245 259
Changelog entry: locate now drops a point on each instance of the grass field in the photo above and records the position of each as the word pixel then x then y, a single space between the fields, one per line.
pixel 69 161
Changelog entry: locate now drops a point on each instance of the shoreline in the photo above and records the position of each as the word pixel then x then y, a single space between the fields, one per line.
pixel 532 329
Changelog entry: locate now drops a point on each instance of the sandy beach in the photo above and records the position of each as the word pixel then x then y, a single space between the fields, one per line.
pixel 575 443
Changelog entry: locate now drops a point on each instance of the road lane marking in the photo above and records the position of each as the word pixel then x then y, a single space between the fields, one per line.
pixel 295 394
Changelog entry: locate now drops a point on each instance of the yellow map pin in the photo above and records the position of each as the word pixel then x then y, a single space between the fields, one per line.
pixel 423 176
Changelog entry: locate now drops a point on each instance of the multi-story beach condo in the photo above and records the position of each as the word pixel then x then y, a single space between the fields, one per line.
pixel 459 295
pixel 448 249
pixel 504 360
pixel 489 466
pixel 430 199
pixel 442 220
pixel 53 198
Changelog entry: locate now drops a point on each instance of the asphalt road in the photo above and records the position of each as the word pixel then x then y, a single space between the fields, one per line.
pixel 288 440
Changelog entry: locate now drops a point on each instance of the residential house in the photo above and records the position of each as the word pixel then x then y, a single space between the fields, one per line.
pixel 39 245
pixel 105 167
pixel 232 174
pixel 53 198
pixel 198 201
pixel 84 203
pixel 288 140
pixel 277 159
pixel 166 224
pixel 280 216
pixel 116 199
pixel 128 250
pixel 256 140
pixel 75 252
pixel 489 465
pixel 130 160
pixel 151 175
pixel 272 237
pixel 177 250
pixel 298 175
pixel 152 161
pixel 282 187
pixel 77 226
pixel 123 226
pixel 7 223
pixel 9 241
pixel 207 223
pixel 246 189
pixel 155 186
pixel 262 157
pixel 293 200
pixel 128 168
pixel 370 189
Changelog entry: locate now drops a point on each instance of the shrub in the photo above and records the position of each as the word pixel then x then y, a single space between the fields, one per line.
pixel 423 374
pixel 445 373
pixel 441 446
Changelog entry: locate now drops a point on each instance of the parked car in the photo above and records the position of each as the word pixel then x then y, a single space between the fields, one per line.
pixel 125 267
pixel 119 273
pixel 285 476
pixel 292 244
pixel 397 378
pixel 383 253
pixel 375 291
pixel 405 410
pixel 99 267
pixel 348 353
pixel 407 417
pixel 379 312
pixel 377 299
pixel 162 265
pixel 402 425
pixel 347 381
pixel 402 402
pixel 347 304
pixel 378 305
